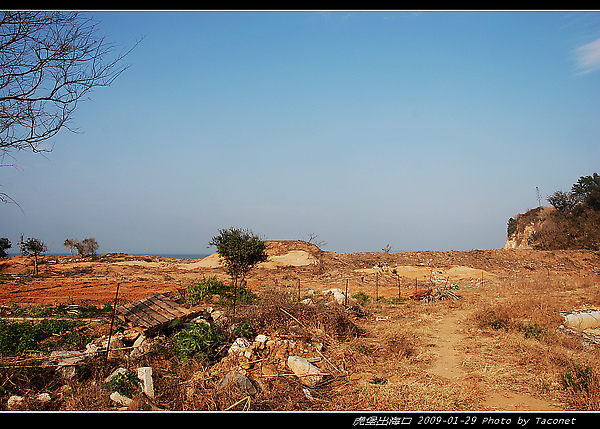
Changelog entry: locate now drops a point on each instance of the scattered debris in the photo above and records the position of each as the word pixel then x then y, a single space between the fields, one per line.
pixel 43 397
pixel 339 296
pixel 120 399
pixel 308 395
pixel 15 402
pixel 65 361
pixel 434 294
pixel 141 402
pixel 240 345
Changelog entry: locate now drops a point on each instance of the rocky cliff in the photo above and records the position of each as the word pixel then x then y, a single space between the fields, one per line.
pixel 522 229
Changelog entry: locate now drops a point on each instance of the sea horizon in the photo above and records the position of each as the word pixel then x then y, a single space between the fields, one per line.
pixel 163 255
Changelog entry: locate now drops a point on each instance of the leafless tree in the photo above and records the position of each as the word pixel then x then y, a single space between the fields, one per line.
pixel 49 62
pixel 314 239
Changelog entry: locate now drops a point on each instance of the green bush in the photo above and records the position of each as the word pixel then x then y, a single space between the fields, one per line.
pixel 245 330
pixel 378 380
pixel 578 377
pixel 361 297
pixel 125 384
pixel 18 337
pixel 533 331
pixel 199 340
pixel 199 290
pixel 205 288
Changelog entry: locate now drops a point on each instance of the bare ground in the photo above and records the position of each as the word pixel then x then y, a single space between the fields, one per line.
pixel 415 355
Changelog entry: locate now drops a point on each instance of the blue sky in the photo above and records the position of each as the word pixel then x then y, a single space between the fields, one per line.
pixel 424 131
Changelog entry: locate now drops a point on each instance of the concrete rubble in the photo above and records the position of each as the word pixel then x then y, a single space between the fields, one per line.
pixel 144 400
pixel 309 374
pixel 16 402
pixel 240 380
pixel 270 356
pixel 339 296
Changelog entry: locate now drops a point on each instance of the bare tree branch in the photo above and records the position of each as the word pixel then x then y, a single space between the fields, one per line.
pixel 49 61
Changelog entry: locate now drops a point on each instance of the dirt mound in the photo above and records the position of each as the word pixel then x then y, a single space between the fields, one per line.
pixel 281 253
pixel 282 247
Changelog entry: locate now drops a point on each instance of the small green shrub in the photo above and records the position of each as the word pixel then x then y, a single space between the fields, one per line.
pixel 496 319
pixel 244 296
pixel 199 290
pixel 199 340
pixel 125 384
pixel 205 288
pixel 245 330
pixel 578 378
pixel 379 380
pixel 533 331
pixel 17 337
pixel 361 298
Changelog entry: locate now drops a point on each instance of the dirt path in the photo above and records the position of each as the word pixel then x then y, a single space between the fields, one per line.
pixel 449 365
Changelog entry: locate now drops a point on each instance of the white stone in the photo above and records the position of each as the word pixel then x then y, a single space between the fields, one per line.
pixel 14 402
pixel 145 375
pixel 91 348
pixel 216 315
pixel 332 291
pixel 339 297
pixel 309 374
pixel 139 341
pixel 43 397
pixel 120 399
pixel 582 320
pixel 118 371
pixel 239 345
pixel 199 319
pixel 261 338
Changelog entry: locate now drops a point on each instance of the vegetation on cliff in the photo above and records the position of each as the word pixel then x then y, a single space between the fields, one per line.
pixel 572 221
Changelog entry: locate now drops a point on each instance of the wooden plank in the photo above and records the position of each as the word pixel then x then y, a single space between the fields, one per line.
pixel 151 312
pixel 127 315
pixel 164 307
pixel 172 304
pixel 169 306
pixel 135 318
pixel 139 309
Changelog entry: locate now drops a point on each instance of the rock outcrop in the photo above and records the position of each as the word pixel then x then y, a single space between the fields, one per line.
pixel 523 227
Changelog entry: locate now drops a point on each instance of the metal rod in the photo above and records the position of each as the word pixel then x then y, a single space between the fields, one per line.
pixel 346 296
pixel 112 319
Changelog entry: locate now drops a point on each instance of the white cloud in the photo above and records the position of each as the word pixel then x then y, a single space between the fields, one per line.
pixel 587 57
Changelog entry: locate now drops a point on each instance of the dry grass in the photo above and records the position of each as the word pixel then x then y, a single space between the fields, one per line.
pixel 520 348
pixel 380 358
